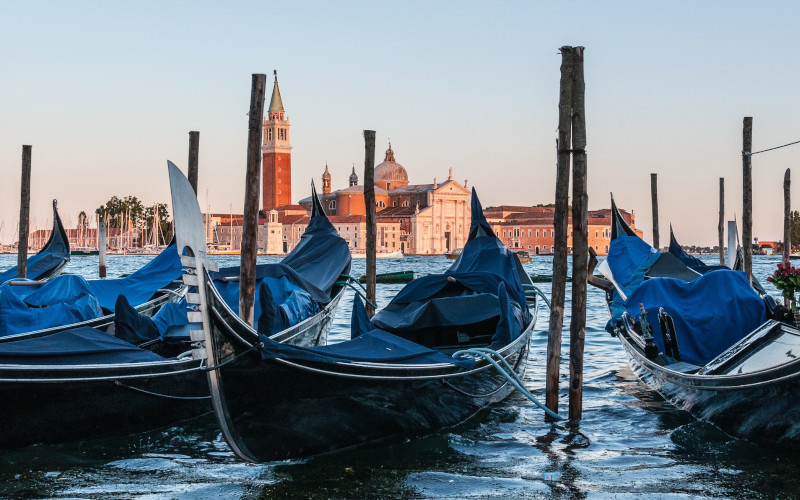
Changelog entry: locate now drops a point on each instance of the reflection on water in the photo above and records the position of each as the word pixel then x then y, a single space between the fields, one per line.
pixel 630 441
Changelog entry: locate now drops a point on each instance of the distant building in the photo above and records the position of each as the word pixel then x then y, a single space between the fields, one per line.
pixel 434 218
pixel 276 151
pixel 531 228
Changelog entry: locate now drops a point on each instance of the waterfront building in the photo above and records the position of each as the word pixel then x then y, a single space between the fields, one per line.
pixel 434 218
pixel 531 228
pixel 276 151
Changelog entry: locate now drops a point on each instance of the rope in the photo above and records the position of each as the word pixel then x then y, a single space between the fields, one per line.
pixel 746 153
pixel 362 292
pixel 508 373
pixel 150 393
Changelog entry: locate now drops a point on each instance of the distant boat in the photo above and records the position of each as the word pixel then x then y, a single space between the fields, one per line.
pixel 361 254
pixel 523 255
pixel 454 254
pixel 396 277
pixel 84 252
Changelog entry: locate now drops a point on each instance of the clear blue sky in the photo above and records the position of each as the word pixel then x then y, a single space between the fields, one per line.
pixel 106 92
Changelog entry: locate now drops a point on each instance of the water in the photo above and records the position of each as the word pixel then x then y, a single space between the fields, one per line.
pixel 629 443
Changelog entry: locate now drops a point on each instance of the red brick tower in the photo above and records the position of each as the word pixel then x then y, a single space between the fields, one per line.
pixel 277 155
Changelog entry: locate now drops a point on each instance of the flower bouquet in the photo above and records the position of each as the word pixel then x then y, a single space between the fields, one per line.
pixel 786 278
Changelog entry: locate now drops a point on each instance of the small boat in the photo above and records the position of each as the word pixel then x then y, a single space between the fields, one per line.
pixel 709 343
pixel 79 382
pixel 523 255
pixel 380 254
pixel 395 277
pixel 454 254
pixel 403 374
pixel 51 259
pixel 84 252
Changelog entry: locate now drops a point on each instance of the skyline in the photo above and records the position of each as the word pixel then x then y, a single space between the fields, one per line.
pixel 107 93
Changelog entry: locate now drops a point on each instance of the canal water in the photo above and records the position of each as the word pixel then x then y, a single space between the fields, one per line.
pixel 629 443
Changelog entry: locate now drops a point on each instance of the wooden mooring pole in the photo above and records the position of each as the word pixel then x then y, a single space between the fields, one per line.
pixel 102 245
pixel 580 239
pixel 721 225
pixel 369 201
pixel 24 213
pixel 194 153
pixel 247 271
pixel 561 228
pixel 654 198
pixel 747 195
pixel 787 215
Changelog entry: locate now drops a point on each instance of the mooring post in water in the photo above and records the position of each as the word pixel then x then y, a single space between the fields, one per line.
pixel 654 198
pixel 194 153
pixel 747 196
pixel 580 241
pixel 787 215
pixel 247 270
pixel 721 225
pixel 24 213
pixel 369 201
pixel 560 227
pixel 101 246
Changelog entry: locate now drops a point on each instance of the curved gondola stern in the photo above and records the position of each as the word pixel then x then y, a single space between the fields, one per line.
pixel 618 225
pixel 58 243
pixel 191 246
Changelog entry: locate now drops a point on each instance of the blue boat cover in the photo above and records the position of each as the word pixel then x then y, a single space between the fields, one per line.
pixel 60 301
pixel 78 346
pixel 140 286
pixel 374 346
pixel 481 287
pixel 53 255
pixel 710 313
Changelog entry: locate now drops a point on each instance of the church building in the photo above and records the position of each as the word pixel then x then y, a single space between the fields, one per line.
pixel 434 218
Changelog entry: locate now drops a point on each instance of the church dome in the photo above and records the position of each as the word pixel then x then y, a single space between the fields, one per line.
pixel 390 174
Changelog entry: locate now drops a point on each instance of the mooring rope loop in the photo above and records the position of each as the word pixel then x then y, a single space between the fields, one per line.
pixel 748 153
pixel 347 280
pixel 508 373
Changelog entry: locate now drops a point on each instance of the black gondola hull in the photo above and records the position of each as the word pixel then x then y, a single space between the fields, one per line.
pixel 311 409
pixel 758 406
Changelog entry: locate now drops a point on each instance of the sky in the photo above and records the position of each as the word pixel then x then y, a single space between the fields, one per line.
pixel 106 92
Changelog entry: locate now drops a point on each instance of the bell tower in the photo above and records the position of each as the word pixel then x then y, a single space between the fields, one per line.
pixel 276 155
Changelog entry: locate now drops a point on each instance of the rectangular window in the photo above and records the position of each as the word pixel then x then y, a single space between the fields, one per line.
pixel 529 233
pixel 537 233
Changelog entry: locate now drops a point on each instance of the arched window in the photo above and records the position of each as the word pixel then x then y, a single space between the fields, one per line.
pixel 332 205
pixel 380 204
pixel 406 203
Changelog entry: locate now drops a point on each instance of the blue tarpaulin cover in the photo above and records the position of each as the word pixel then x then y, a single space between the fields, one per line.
pixel 140 286
pixel 482 286
pixel 710 313
pixel 76 346
pixel 60 301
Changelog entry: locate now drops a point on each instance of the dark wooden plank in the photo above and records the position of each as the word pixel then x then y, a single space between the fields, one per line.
pixel 654 199
pixel 24 213
pixel 747 195
pixel 369 201
pixel 194 153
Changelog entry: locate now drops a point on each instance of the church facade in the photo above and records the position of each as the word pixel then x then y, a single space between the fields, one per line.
pixel 434 218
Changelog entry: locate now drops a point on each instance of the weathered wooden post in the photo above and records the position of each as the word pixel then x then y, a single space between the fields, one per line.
pixel 747 192
pixel 101 246
pixel 247 271
pixel 369 201
pixel 194 151
pixel 787 216
pixel 24 213
pixel 654 198
pixel 561 228
pixel 580 244
pixel 721 225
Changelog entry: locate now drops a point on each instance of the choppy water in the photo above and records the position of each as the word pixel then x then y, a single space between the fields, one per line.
pixel 629 442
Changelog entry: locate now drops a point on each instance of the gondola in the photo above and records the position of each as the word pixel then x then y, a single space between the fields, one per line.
pixel 51 259
pixel 81 382
pixel 398 377
pixel 709 343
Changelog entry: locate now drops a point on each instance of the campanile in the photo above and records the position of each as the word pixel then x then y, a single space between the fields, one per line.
pixel 276 155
